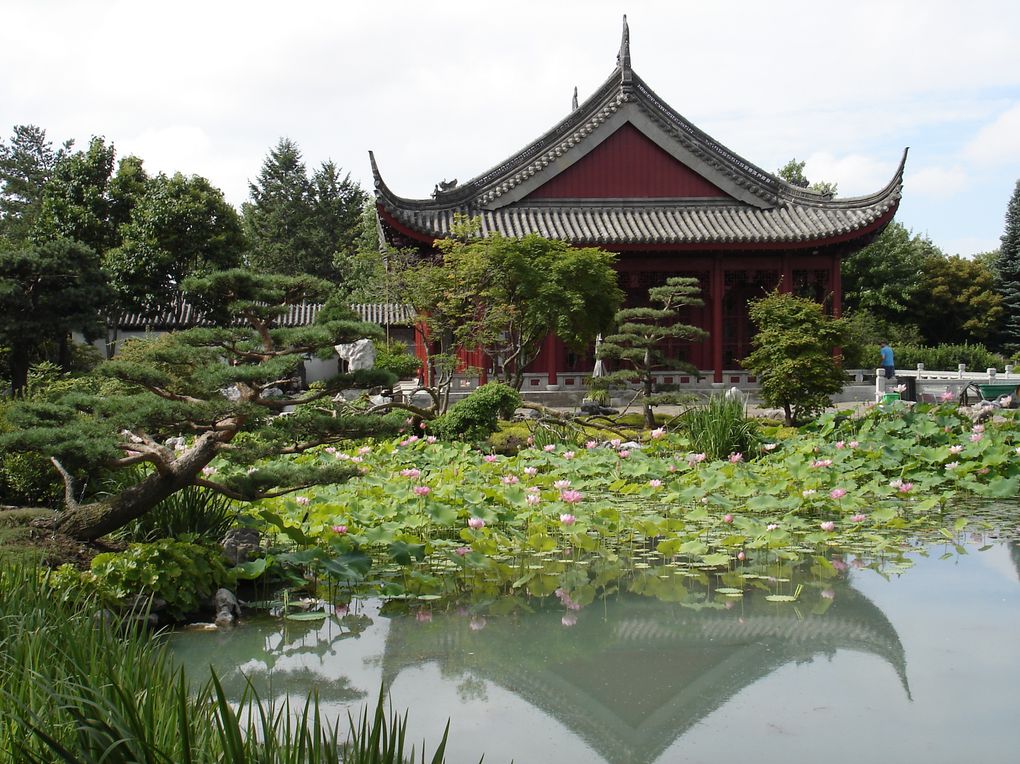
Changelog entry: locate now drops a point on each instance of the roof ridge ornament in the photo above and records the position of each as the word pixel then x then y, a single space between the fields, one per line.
pixel 623 57
pixel 573 101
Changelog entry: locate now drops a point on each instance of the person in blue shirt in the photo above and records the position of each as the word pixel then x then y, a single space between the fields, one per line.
pixel 887 360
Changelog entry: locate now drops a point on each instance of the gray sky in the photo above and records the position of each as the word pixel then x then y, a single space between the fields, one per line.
pixel 449 89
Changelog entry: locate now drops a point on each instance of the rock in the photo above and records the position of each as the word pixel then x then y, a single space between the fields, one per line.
pixel 241 544
pixel 359 355
pixel 228 609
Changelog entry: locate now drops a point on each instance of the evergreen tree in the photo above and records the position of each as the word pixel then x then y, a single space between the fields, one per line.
pixel 1007 269
pixel 47 290
pixel 885 277
pixel 640 333
pixel 26 164
pixel 296 224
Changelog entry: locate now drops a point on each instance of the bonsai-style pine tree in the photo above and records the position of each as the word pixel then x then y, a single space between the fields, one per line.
pixel 223 388
pixel 794 354
pixel 640 332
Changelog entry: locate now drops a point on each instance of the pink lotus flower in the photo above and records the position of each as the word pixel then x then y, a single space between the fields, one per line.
pixel 769 446
pixel 302 501
pixel 840 445
pixel 207 471
pixel 411 472
pixel 330 450
pixel 364 450
pixel 978 428
pixel 727 518
pixel 741 556
pixel 340 529
pixel 905 487
pixel 895 483
pixel 568 455
pixel 858 518
pixel 822 463
pixel 955 449
pixel 736 457
pixel 624 453
pixel 952 465
pixel 342 456
pixel 476 522
pixel 837 493
pixel 531 471
pixel 771 526
pixel 533 499
pixel 431 439
pixel 531 440
pixel 947 396
pixel 510 480
pixel 423 425
pixel 490 458
pixel 655 483
pixel 422 490
pixel 828 526
pixel 567 519
pixel 853 444
pixel 462 551
pixel 671 467
pixel 808 492
pixel 412 439
pixel 549 448
pixel 533 489
pixel 561 484
pixel 570 497
pixel 658 432
pixel 615 442
pixel 591 444
pixel 357 459
pixel 693 459
pixel 975 437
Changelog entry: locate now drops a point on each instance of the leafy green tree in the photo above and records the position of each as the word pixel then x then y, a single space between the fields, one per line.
pixel 957 300
pixel 178 226
pixel 47 290
pixel 1007 272
pixel 793 173
pixel 640 333
pixel 25 166
pixel 505 296
pixel 178 384
pixel 884 278
pixel 296 224
pixel 794 355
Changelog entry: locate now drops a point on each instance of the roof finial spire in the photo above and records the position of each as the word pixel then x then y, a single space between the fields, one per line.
pixel 623 59
pixel 573 101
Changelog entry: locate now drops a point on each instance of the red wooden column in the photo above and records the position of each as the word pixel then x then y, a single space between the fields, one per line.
pixel 837 288
pixel 717 287
pixel 551 357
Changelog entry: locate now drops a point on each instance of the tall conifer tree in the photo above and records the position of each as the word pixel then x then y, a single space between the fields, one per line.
pixel 1008 273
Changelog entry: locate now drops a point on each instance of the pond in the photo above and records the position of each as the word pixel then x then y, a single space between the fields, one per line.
pixel 908 659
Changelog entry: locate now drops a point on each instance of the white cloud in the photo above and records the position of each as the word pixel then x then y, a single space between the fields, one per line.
pixel 938 182
pixel 855 174
pixel 998 141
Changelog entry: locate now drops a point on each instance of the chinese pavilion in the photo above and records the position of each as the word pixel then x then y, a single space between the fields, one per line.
pixel 626 172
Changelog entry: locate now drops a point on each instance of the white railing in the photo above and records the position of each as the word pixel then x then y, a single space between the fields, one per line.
pixel 930 382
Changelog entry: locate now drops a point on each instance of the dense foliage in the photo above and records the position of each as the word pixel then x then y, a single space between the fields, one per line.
pixel 794 356
pixel 1007 273
pixel 477 416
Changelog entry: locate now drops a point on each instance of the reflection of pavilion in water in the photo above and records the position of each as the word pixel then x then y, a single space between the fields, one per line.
pixel 634 674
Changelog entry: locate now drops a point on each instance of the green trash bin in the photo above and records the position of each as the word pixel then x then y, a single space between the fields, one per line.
pixel 890 398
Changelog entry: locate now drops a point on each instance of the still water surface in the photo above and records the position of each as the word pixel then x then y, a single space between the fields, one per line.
pixel 915 666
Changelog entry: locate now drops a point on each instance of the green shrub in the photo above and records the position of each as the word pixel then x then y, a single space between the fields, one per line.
pixel 947 357
pixel 394 357
pixel 720 428
pixel 195 510
pixel 182 573
pixel 477 416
